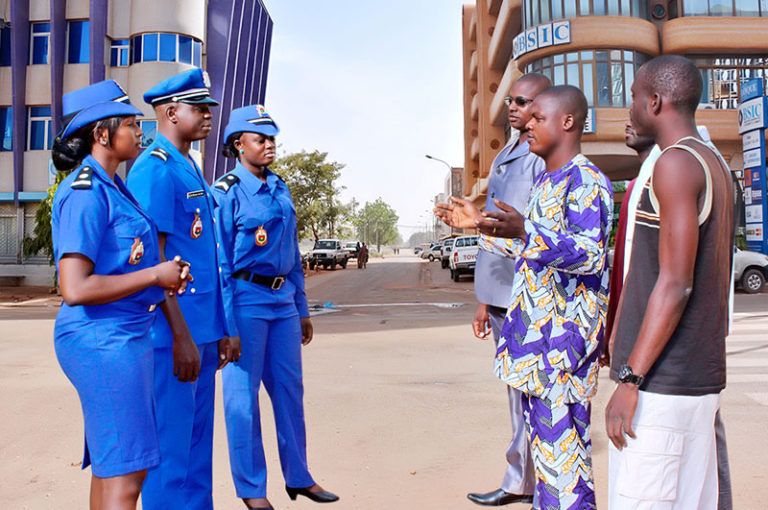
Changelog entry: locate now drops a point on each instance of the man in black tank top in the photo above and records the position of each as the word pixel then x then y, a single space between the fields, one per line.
pixel 669 343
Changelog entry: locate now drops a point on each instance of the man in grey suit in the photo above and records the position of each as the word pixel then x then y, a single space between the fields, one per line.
pixel 510 180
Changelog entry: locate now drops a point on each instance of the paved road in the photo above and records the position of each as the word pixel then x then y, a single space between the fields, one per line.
pixel 402 408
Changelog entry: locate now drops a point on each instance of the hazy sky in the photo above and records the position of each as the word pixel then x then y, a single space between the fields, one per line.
pixel 377 85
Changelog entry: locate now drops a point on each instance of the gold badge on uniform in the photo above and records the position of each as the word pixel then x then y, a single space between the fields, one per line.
pixel 197 227
pixel 137 252
pixel 261 236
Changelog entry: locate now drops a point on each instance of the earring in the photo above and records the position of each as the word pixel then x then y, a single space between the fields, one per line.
pixel 104 142
pixel 242 151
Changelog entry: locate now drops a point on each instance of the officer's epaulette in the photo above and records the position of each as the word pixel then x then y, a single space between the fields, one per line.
pixel 226 182
pixel 159 153
pixel 84 178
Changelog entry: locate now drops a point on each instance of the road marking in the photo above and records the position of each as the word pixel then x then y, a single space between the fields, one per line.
pixel 760 398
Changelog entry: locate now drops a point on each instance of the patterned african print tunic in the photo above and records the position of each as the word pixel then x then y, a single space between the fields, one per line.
pixel 554 325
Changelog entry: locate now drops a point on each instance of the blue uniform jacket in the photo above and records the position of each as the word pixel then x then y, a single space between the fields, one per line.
pixel 245 204
pixel 172 190
pixel 97 217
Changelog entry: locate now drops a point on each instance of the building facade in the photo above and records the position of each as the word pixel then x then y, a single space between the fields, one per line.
pixel 597 45
pixel 51 47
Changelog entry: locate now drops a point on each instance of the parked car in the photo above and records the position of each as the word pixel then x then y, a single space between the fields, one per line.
pixel 352 249
pixel 463 257
pixel 417 250
pixel 445 253
pixel 328 253
pixel 750 270
pixel 432 253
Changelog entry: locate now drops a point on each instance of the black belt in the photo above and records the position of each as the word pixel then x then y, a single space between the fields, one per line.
pixel 273 282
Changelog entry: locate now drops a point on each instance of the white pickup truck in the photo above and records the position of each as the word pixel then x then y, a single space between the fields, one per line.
pixel 463 257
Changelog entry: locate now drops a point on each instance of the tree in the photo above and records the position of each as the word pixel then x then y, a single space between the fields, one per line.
pixel 376 224
pixel 312 181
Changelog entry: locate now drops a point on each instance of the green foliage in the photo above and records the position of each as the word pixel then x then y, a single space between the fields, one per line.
pixel 312 181
pixel 43 239
pixel 376 224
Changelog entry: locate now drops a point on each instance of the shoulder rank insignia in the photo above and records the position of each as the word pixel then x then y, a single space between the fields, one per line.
pixel 226 182
pixel 159 153
pixel 84 178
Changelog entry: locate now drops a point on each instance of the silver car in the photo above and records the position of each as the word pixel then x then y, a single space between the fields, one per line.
pixel 750 270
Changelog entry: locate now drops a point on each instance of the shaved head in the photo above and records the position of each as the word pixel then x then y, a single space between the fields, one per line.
pixel 568 100
pixel 676 79
pixel 538 80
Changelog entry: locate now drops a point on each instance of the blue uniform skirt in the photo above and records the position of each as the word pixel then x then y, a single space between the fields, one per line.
pixel 109 361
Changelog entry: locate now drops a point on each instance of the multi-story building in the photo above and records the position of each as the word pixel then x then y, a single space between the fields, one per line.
pixel 597 45
pixel 50 47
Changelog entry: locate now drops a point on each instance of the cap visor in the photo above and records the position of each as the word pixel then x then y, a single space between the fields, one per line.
pixel 200 100
pixel 99 111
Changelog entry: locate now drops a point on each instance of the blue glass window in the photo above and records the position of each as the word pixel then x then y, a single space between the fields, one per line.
pixel 197 53
pixel 79 42
pixel 40 130
pixel 6 128
pixel 149 53
pixel 195 146
pixel 119 53
pixel 41 33
pixel 185 49
pixel 168 47
pixel 5 47
pixel 148 132
pixel 136 43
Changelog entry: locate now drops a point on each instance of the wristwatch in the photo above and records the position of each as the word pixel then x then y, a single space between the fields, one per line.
pixel 627 376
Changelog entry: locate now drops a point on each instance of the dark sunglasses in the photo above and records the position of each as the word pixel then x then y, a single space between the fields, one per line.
pixel 519 100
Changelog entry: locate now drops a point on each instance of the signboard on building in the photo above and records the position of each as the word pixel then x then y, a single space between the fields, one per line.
pixel 589 122
pixel 541 36
pixel 752 124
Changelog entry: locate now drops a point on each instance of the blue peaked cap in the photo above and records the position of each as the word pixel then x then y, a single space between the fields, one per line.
pixel 191 86
pixel 99 101
pixel 250 119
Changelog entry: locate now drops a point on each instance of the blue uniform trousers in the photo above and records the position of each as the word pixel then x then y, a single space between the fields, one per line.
pixel 185 428
pixel 271 353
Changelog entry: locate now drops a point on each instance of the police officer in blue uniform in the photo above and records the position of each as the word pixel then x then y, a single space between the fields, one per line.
pixel 266 303
pixel 106 251
pixel 170 186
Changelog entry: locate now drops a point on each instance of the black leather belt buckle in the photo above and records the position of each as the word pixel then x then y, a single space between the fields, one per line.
pixel 277 283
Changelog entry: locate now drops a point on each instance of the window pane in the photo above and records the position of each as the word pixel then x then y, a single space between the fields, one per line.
pixel 124 57
pixel 79 37
pixel 37 135
pixel 149 132
pixel 50 135
pixel 185 49
pixel 573 75
pixel 598 6
pixel 41 27
pixel 695 8
pixel 197 53
pixel 113 57
pixel 559 76
pixel 747 8
pixel 535 18
pixel 136 49
pixel 40 111
pixel 6 129
pixel 570 8
pixel 629 77
pixel 557 9
pixel 40 49
pixel 149 53
pixel 617 84
pixel 545 11
pixel 168 47
pixel 5 47
pixel 587 87
pixel 720 7
pixel 603 84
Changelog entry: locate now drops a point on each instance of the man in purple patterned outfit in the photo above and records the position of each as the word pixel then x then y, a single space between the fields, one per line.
pixel 549 345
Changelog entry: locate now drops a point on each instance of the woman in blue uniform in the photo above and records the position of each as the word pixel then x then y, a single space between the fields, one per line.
pixel 111 280
pixel 266 305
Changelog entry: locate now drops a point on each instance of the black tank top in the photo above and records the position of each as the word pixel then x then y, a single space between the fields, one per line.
pixel 693 361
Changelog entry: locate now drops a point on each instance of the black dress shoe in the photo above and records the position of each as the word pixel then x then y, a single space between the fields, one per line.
pixel 319 497
pixel 499 497
pixel 245 500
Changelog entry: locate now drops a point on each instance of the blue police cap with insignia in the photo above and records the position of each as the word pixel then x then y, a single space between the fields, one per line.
pixel 107 90
pixel 93 103
pixel 250 119
pixel 188 87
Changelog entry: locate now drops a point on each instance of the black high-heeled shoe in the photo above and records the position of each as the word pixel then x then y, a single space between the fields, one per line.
pixel 245 500
pixel 319 497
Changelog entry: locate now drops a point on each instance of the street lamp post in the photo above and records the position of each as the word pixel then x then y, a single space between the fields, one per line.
pixel 450 179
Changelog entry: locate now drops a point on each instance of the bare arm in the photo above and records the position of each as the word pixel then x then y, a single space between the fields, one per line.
pixel 677 182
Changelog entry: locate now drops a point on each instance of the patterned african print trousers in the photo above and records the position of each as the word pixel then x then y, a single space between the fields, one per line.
pixel 562 454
